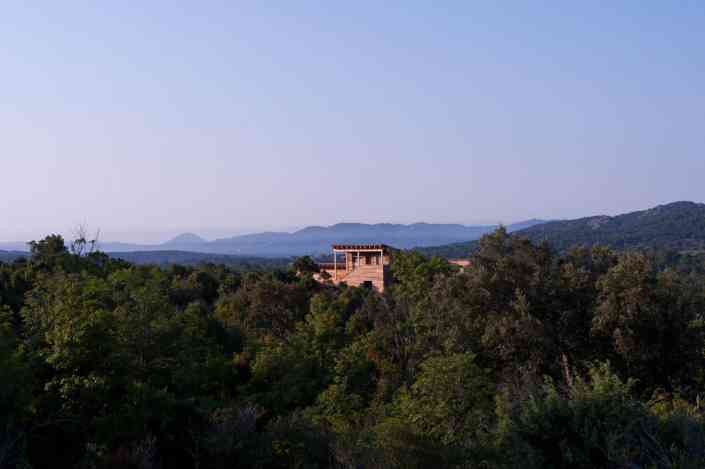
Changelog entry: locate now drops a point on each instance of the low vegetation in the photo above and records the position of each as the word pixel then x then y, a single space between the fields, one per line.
pixel 590 358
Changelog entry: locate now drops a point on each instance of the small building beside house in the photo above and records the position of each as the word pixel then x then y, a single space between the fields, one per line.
pixel 358 265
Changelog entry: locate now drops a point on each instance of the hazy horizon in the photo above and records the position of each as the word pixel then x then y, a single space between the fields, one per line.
pixel 149 120
pixel 210 234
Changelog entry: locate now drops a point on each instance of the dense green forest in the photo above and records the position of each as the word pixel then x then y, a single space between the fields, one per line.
pixel 677 227
pixel 531 358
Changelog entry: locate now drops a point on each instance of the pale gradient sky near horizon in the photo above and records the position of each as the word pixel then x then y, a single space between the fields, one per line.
pixel 146 119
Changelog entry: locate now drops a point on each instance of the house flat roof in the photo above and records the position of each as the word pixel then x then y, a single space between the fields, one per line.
pixel 361 247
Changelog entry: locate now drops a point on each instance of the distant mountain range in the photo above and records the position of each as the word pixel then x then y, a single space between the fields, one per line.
pixel 678 226
pixel 185 239
pixel 14 247
pixel 313 240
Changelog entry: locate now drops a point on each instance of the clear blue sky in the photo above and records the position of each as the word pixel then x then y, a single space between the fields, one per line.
pixel 150 118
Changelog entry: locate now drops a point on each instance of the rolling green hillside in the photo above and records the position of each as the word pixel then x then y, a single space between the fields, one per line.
pixel 678 226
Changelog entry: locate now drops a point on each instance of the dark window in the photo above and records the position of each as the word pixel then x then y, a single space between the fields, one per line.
pixel 367 284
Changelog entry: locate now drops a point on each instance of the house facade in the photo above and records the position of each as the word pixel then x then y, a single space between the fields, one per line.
pixel 358 265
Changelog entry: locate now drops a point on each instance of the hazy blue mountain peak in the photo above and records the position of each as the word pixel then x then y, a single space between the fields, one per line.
pixel 186 238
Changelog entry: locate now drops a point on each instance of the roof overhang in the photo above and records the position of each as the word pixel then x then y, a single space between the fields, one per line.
pixel 361 247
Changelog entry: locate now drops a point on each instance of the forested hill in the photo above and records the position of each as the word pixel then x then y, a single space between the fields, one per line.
pixel 678 226
pixel 9 256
